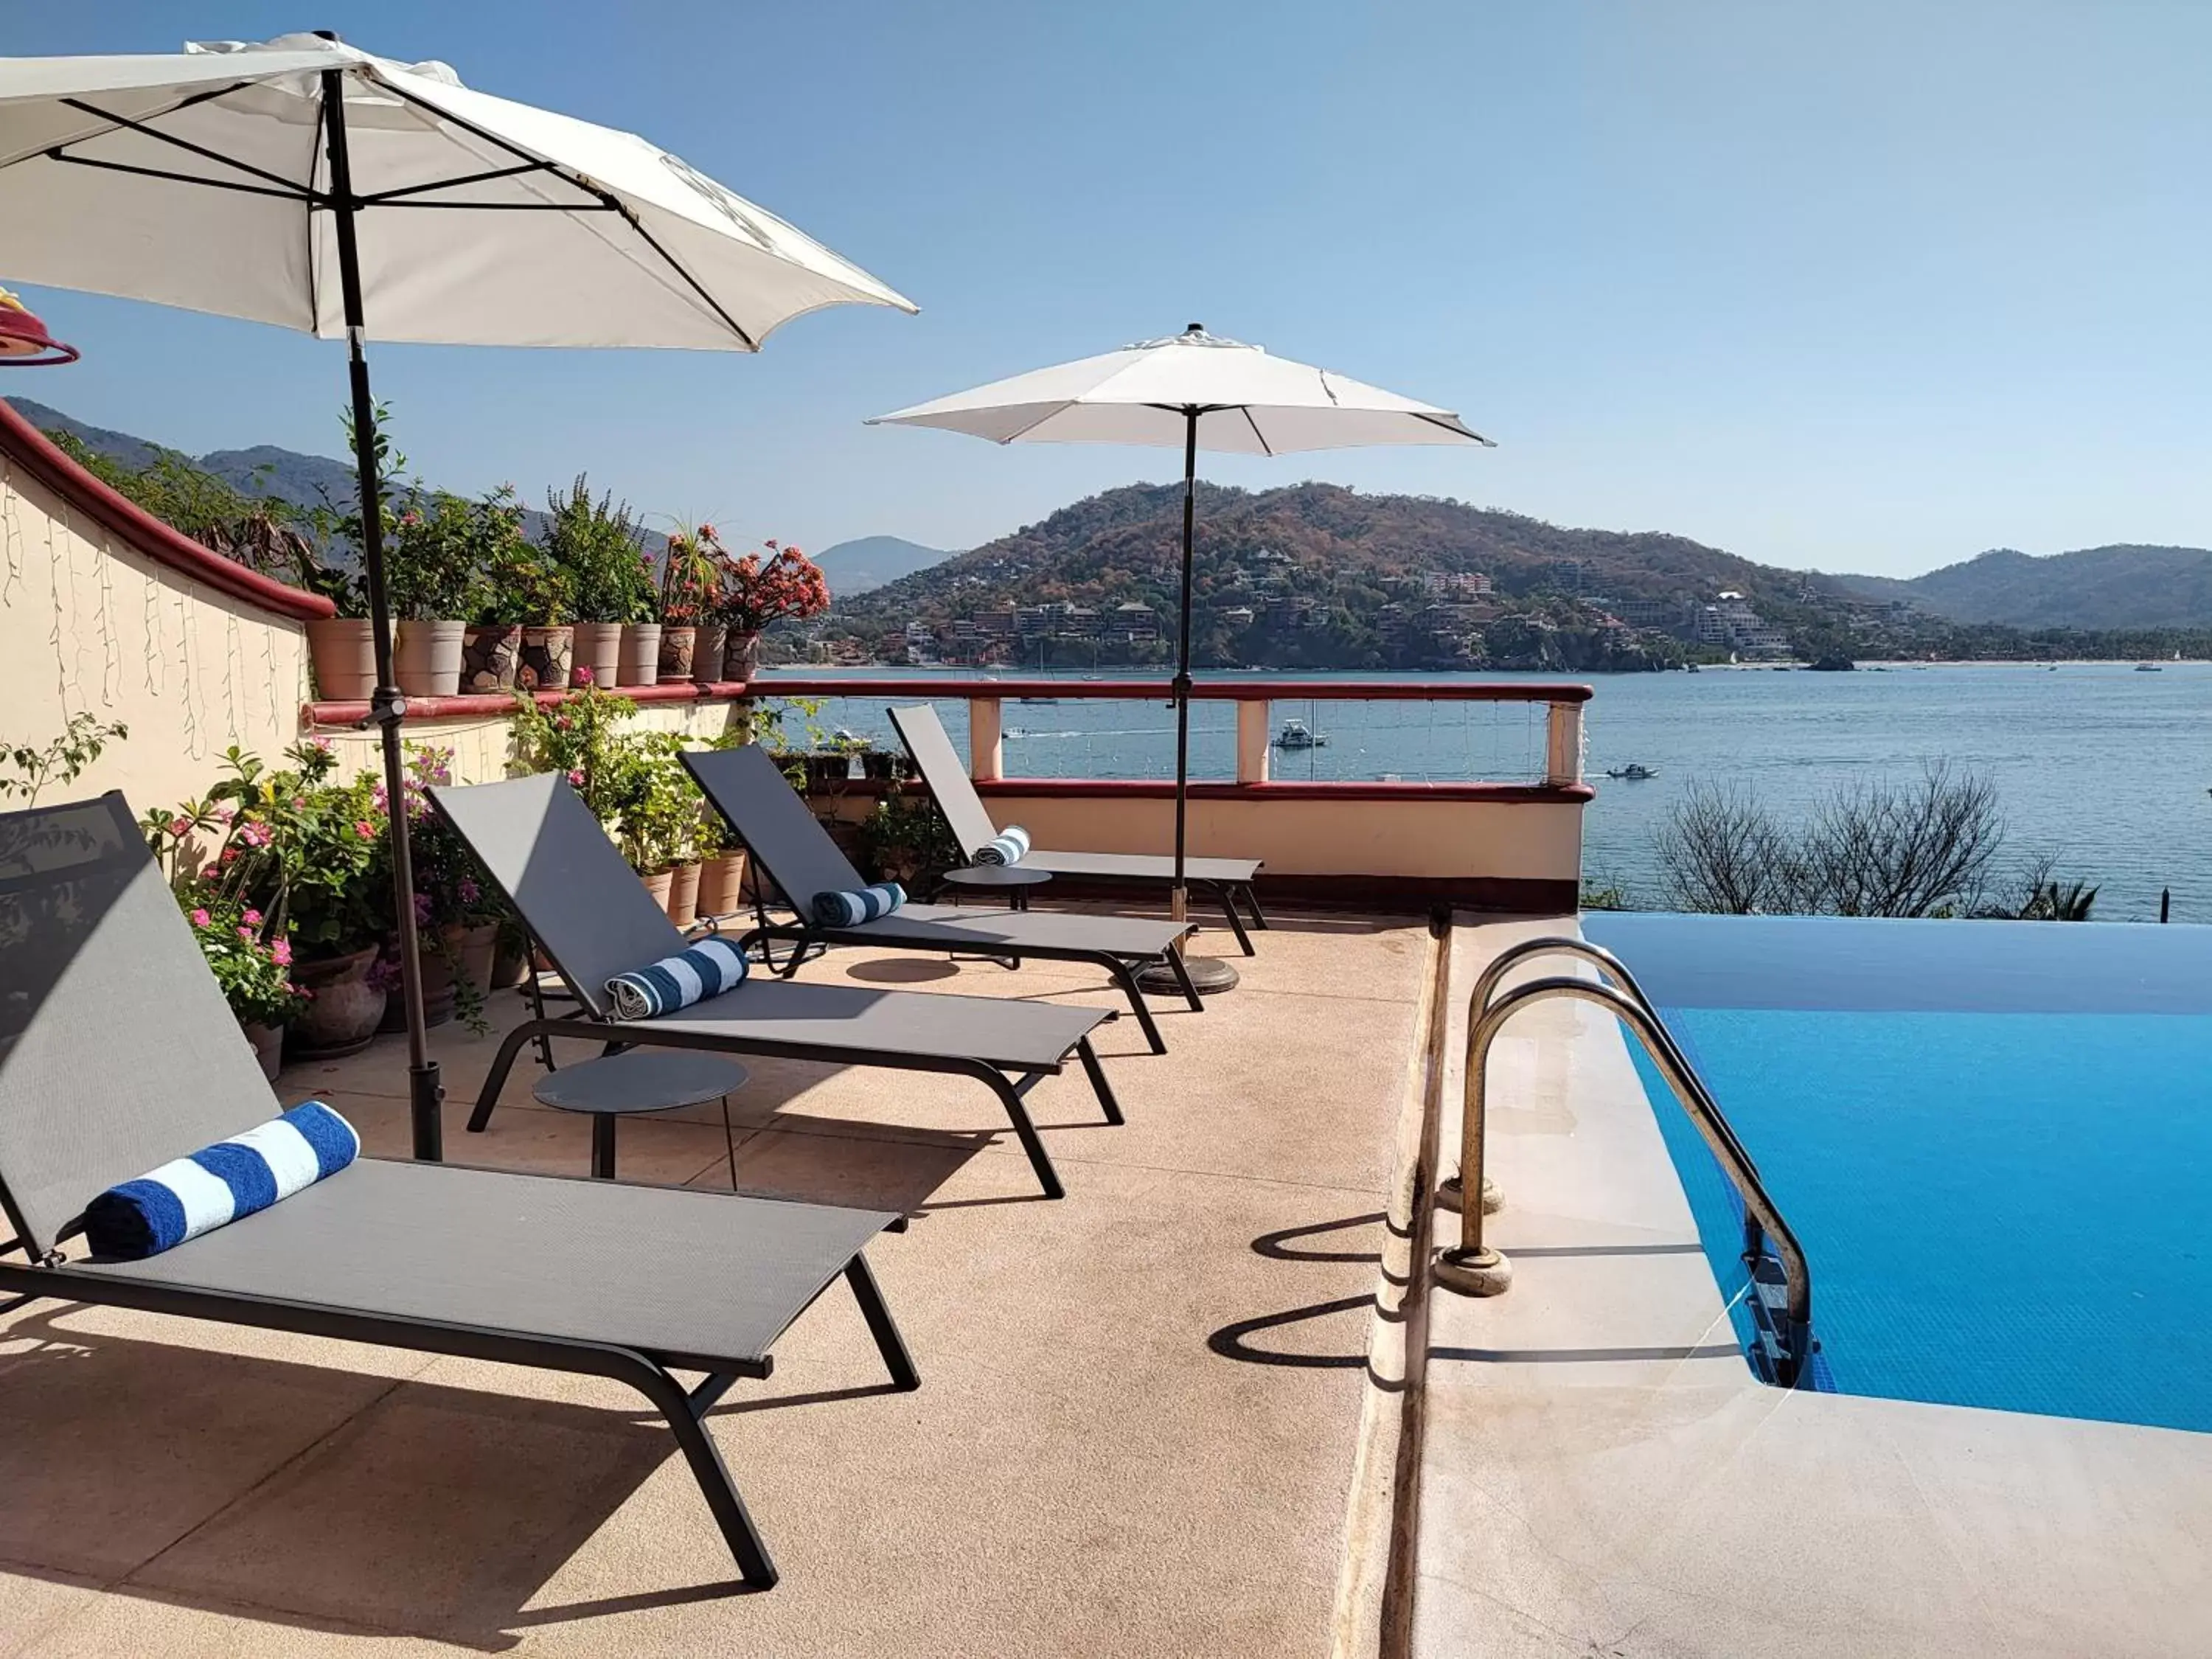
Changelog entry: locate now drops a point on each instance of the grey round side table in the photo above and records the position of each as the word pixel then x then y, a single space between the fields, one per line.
pixel 614 1086
pixel 1014 880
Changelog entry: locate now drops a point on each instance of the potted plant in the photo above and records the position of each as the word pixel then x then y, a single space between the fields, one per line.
pixel 433 568
pixel 905 840
pixel 659 821
pixel 342 648
pixel 581 737
pixel 517 589
pixel 254 970
pixel 757 590
pixel 597 548
pixel 457 911
pixel 688 584
pixel 721 871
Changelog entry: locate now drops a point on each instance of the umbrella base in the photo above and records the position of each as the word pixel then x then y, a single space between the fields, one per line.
pixel 1209 976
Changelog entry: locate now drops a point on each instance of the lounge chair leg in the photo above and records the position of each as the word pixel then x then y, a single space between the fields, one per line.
pixel 1182 978
pixel 537 1011
pixel 1236 922
pixel 1252 904
pixel 889 1343
pixel 1127 981
pixel 670 1399
pixel 1097 1076
pixel 502 1063
pixel 1024 1131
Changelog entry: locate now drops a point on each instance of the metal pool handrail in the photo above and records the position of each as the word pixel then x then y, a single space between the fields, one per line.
pixel 1476 1270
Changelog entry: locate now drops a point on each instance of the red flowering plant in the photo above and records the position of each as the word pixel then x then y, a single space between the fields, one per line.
pixel 691 576
pixel 778 585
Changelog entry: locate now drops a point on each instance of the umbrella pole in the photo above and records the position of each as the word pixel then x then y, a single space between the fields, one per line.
pixel 387 706
pixel 1207 974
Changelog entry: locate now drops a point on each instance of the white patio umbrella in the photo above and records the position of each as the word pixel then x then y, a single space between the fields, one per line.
pixel 303 183
pixel 1195 391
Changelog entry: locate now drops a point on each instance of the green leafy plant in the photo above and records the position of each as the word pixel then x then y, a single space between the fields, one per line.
pixel 62 760
pixel 439 547
pixel 600 552
pixel 581 737
pixel 690 576
pixel 254 970
pixel 906 840
pixel 660 813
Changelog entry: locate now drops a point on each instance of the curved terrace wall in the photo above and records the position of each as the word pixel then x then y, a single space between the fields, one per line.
pixel 106 610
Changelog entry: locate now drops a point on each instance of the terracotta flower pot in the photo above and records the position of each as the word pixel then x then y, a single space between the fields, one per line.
pixel 468 951
pixel 491 657
pixel 741 655
pixel 343 652
pixel 268 1042
pixel 342 1008
pixel 826 772
pixel 640 654
pixel 599 653
pixel 547 654
pixel 722 884
pixel 657 885
pixel 683 894
pixel 426 658
pixel 676 646
pixel 706 653
pixel 510 964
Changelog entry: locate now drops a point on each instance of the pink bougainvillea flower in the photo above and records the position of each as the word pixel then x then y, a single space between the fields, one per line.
pixel 251 918
pixel 199 917
pixel 576 776
pixel 582 673
pixel 280 953
pixel 246 934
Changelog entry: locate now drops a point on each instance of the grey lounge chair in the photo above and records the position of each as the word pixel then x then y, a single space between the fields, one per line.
pixel 117 1055
pixel 1230 880
pixel 754 799
pixel 593 919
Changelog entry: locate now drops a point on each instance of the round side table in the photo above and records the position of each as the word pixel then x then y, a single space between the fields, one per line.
pixel 1014 880
pixel 614 1086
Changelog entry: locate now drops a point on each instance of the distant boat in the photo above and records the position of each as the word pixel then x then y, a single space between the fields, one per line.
pixel 2150 668
pixel 1634 772
pixel 1296 734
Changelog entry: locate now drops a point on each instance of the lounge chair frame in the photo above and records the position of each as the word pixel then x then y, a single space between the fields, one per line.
pixel 596 1021
pixel 1229 882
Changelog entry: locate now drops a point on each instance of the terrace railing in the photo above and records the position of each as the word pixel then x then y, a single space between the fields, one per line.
pixel 1781 1282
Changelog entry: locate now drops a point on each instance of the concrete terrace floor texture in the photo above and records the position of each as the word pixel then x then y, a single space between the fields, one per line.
pixel 1136 1433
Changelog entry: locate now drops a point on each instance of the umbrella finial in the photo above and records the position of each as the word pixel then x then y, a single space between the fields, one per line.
pixel 1195 328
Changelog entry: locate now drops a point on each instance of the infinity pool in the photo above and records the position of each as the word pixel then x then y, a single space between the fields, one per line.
pixel 1994 1140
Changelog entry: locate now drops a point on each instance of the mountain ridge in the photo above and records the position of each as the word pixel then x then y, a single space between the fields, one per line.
pixel 2120 585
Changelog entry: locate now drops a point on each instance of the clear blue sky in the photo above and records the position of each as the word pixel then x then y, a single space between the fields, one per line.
pixel 1870 287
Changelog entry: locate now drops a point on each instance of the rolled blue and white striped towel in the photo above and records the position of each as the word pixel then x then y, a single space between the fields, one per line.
pixel 218 1184
pixel 707 969
pixel 851 909
pixel 1010 846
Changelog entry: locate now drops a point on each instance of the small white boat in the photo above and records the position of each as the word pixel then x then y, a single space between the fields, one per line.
pixel 1297 734
pixel 2150 668
pixel 1634 772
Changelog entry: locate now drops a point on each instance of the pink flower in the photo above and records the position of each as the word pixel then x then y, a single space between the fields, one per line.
pixel 246 934
pixel 225 813
pixel 468 890
pixel 576 776
pixel 199 917
pixel 252 918
pixel 581 674
pixel 179 826
pixel 323 745
pixel 422 906
pixel 299 803
pixel 211 872
pixel 364 829
pixel 280 953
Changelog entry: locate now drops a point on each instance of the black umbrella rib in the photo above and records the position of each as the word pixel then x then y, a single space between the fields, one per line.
pixel 201 150
pixel 289 194
pixel 391 197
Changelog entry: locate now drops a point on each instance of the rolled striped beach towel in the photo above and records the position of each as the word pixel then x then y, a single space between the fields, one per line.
pixel 218 1184
pixel 835 909
pixel 707 969
pixel 1010 846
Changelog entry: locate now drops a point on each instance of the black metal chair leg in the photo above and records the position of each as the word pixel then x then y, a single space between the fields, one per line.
pixel 669 1398
pixel 1252 904
pixel 1024 1131
pixel 1127 981
pixel 502 1063
pixel 889 1343
pixel 537 1011
pixel 603 1146
pixel 1182 978
pixel 1236 922
pixel 1097 1076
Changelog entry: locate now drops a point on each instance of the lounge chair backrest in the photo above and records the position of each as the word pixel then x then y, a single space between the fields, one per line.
pixel 751 793
pixel 117 1052
pixel 939 765
pixel 573 889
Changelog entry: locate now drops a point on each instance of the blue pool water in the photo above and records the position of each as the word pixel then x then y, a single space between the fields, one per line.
pixel 1994 1140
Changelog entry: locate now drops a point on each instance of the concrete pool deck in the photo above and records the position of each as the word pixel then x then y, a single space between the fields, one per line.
pixel 1603 1475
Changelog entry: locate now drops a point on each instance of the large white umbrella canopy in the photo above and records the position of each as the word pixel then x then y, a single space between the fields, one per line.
pixel 1190 391
pixel 1243 401
pixel 305 183
pixel 194 178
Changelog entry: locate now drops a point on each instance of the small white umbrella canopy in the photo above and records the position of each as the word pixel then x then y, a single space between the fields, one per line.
pixel 523 228
pixel 304 182
pixel 1190 391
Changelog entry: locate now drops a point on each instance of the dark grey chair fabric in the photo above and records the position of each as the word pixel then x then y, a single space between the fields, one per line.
pixel 589 914
pixel 744 785
pixel 119 1054
pixel 1230 880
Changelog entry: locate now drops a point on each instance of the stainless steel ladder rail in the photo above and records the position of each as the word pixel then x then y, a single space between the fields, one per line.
pixel 1474 1269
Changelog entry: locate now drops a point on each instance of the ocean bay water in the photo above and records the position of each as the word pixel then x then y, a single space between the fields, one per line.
pixel 2104 767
